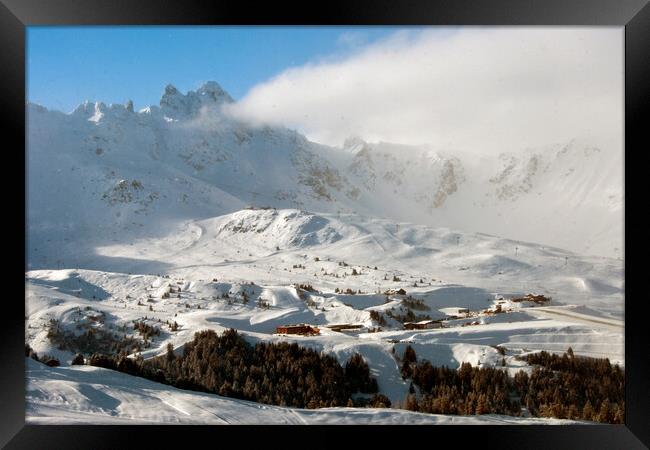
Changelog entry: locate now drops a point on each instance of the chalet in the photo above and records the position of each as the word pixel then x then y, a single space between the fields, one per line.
pixel 423 325
pixel 538 299
pixel 497 310
pixel 399 291
pixel 345 326
pixel 301 329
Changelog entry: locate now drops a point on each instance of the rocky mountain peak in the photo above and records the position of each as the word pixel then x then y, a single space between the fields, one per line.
pixel 176 105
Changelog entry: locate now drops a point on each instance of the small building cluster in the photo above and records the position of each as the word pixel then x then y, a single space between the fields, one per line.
pixel 423 325
pixel 345 326
pixel 498 309
pixel 399 291
pixel 460 313
pixel 300 329
pixel 538 299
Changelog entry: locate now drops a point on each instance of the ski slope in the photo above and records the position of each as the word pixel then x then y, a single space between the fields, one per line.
pixel 91 395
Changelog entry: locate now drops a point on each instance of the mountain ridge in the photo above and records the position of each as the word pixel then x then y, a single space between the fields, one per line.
pixel 189 159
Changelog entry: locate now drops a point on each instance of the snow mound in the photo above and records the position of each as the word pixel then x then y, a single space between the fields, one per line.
pixel 71 282
pixel 284 228
pixel 592 286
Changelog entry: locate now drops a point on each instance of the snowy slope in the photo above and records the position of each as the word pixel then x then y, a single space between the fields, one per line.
pixel 91 395
pixel 112 168
pixel 146 216
pixel 566 195
pixel 214 261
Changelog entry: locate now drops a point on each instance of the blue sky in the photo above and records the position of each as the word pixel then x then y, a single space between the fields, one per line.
pixel 67 65
pixel 483 89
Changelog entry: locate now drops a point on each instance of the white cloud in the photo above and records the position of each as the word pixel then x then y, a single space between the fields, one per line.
pixel 476 89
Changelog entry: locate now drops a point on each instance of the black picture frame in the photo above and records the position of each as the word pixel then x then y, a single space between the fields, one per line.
pixel 634 15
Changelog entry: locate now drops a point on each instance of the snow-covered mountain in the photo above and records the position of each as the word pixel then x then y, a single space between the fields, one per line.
pixel 179 212
pixel 108 172
pixel 566 195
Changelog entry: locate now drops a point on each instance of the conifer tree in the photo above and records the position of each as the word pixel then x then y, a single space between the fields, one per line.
pixel 481 405
pixel 619 416
pixel 170 353
pixel 605 414
pixel 588 411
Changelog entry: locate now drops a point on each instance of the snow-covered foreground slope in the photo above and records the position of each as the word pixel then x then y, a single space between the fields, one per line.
pixel 91 395
pixel 105 174
pixel 217 273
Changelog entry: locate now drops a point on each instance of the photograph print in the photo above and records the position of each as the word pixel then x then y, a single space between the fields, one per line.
pixel 324 225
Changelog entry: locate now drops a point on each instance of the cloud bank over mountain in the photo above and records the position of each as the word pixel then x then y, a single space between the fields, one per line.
pixel 481 90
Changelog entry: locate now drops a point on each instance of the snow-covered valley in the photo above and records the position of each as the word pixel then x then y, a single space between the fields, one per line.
pixel 213 274
pixel 180 214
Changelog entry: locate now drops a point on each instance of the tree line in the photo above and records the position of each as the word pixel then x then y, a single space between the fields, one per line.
pixel 97 339
pixel 564 387
pixel 573 387
pixel 561 386
pixel 280 374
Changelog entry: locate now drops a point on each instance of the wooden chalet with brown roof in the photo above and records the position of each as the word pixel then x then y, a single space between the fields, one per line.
pixel 423 325
pixel 300 329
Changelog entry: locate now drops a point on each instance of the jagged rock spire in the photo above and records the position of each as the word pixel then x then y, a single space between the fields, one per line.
pixel 176 105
